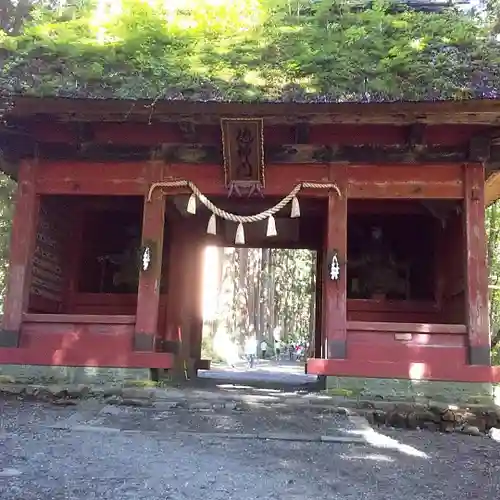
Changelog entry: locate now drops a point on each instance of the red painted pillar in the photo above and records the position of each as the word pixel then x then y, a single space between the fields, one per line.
pixel 319 343
pixel 335 292
pixel 148 298
pixel 476 269
pixel 173 285
pixel 197 298
pixel 22 244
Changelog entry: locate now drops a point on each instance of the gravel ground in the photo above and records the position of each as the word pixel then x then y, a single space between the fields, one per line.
pixel 264 420
pixel 41 463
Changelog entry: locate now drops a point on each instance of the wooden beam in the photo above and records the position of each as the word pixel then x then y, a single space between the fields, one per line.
pixel 480 148
pixel 81 344
pixel 87 178
pixel 335 292
pixel 100 319
pixel 380 326
pixel 416 137
pixel 410 182
pixel 482 111
pixel 284 152
pixel 189 131
pixel 365 181
pixel 492 189
pixel 22 244
pixel 280 179
pixel 476 267
pixel 298 143
pixel 148 297
pixel 87 356
pixel 330 153
pixel 367 206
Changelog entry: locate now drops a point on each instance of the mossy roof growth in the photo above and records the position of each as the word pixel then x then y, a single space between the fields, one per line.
pixel 250 51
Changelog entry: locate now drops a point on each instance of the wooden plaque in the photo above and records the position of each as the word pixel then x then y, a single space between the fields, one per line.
pixel 243 149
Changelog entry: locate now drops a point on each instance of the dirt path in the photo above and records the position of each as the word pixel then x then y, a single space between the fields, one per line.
pixel 280 373
pixel 100 461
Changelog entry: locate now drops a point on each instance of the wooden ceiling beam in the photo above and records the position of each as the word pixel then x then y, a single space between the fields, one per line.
pixel 416 137
pixel 142 134
pixel 402 119
pixel 285 154
pixel 480 148
pixel 467 111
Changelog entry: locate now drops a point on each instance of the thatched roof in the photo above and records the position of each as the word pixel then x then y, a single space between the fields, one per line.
pixel 325 53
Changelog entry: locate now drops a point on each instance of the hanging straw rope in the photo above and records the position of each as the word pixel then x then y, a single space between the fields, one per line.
pixel 242 219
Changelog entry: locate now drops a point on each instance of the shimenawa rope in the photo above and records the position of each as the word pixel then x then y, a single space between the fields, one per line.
pixel 242 219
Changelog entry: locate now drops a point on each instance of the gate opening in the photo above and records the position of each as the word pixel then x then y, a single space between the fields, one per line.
pixel 259 311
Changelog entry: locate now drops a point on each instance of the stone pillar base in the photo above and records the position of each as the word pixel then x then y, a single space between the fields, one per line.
pixel 412 390
pixel 29 374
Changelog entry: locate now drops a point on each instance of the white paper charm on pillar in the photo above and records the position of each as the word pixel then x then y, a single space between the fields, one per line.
pixel 191 206
pixel 212 225
pixel 335 268
pixel 240 235
pixel 271 227
pixel 146 258
pixel 295 208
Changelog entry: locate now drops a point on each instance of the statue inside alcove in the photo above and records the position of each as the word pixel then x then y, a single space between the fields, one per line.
pixel 376 272
pixel 123 266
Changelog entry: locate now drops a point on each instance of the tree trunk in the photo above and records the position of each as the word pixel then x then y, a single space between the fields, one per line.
pixel 312 300
pixel 272 288
pixel 264 295
pixel 243 299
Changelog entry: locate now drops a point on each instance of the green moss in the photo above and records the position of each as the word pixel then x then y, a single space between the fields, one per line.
pixel 411 390
pixel 140 383
pixel 346 393
pixel 252 50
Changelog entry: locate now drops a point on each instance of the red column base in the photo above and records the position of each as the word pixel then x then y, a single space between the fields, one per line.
pixel 404 370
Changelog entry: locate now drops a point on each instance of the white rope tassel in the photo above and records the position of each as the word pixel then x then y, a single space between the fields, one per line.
pixel 295 208
pixel 212 225
pixel 271 227
pixel 191 206
pixel 240 235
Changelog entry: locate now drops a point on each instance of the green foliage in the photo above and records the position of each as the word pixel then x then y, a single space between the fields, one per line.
pixel 493 233
pixel 7 189
pixel 262 289
pixel 248 50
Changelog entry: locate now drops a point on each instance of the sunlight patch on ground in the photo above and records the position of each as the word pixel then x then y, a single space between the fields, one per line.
pixel 268 391
pixel 266 371
pixel 371 456
pixel 378 440
pixel 225 348
pixel 256 399
pixel 234 386
pixel 496 395
pixel 8 472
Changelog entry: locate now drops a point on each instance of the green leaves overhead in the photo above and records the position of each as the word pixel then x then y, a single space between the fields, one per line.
pixel 249 50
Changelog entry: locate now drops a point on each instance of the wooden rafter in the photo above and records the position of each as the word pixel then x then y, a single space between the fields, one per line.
pixel 113 110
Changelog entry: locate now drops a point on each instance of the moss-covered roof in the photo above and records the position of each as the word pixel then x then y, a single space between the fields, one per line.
pixel 252 51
